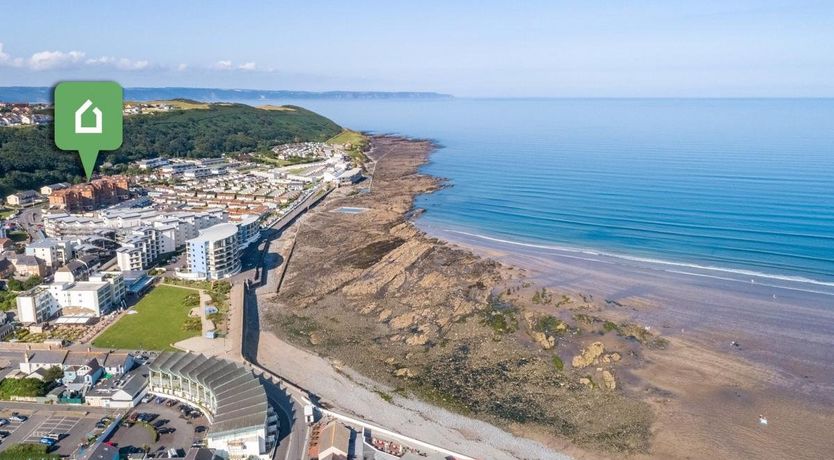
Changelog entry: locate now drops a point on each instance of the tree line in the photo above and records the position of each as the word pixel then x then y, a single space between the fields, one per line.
pixel 30 158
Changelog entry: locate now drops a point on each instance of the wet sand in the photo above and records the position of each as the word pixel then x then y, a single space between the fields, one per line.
pixel 708 393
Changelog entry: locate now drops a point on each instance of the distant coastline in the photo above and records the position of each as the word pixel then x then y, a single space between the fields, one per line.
pixel 39 94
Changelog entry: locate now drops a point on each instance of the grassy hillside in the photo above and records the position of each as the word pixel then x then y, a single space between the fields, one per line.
pixel 30 158
pixel 357 141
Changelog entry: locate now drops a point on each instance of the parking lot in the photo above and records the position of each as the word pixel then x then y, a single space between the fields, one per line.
pixel 12 427
pixel 73 425
pixel 177 431
pixel 55 424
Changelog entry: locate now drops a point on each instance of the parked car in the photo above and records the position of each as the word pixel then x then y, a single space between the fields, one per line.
pixel 199 429
pixel 48 441
pixel 159 423
pixel 18 418
pixel 3 434
pixel 101 425
pixel 166 430
pixel 4 421
pixel 147 417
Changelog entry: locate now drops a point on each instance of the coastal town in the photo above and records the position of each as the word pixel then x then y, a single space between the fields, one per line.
pixel 417 231
pixel 88 271
pixel 21 114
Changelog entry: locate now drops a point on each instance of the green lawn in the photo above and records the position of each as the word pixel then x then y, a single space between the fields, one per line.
pixel 158 323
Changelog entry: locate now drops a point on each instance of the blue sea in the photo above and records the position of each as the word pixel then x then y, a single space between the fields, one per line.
pixel 741 186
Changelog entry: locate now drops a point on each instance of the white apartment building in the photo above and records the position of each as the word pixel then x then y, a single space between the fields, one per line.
pixel 104 292
pixel 116 282
pixel 140 249
pixel 249 230
pixel 52 251
pixel 36 305
pixel 96 298
pixel 214 254
pixel 129 259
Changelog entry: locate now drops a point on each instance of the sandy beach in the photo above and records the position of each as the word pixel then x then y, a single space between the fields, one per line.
pixel 707 392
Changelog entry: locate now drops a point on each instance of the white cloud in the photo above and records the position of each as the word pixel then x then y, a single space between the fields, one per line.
pixel 227 64
pixel 127 64
pixel 48 60
pixel 121 64
pixel 182 67
pixel 6 60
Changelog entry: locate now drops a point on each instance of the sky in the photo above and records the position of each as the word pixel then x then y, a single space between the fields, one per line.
pixel 702 48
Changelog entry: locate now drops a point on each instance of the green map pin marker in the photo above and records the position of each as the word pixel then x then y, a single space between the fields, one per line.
pixel 88 119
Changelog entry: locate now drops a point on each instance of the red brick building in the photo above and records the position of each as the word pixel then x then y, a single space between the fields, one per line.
pixel 92 195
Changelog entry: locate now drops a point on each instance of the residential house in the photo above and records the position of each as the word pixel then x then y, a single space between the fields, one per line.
pixel 72 271
pixel 118 363
pixel 121 393
pixel 82 370
pixel 26 266
pixel 48 189
pixel 22 199
pixel 334 441
pixel 34 360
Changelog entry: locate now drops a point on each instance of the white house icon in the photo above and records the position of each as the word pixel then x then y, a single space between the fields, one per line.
pixel 79 128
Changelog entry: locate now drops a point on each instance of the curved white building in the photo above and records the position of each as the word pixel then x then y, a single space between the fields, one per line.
pixel 214 254
pixel 231 397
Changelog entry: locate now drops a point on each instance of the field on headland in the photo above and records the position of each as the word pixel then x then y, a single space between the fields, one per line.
pixel 357 141
pixel 157 323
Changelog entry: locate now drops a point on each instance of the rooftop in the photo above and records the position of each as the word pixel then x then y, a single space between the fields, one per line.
pixel 216 232
pixel 241 399
pixel 334 435
pixel 44 243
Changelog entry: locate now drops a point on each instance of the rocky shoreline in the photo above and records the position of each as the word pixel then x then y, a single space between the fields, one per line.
pixel 460 331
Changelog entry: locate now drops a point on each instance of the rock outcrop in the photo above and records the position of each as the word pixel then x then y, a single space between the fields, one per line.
pixel 608 380
pixel 545 341
pixel 589 355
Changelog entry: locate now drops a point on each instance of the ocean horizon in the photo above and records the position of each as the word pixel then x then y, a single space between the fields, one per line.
pixel 733 187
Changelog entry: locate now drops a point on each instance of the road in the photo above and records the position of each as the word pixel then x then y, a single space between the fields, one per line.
pixel 29 219
pixel 258 264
